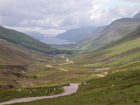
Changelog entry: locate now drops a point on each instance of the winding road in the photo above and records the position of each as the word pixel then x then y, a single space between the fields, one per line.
pixel 68 90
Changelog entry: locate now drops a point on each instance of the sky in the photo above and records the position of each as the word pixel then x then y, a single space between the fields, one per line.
pixel 52 17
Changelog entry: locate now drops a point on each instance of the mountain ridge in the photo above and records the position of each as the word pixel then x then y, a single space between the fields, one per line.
pixel 111 33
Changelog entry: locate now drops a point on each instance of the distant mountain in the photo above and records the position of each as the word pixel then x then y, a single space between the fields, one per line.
pixel 77 35
pixel 48 40
pixel 35 35
pixel 26 41
pixel 112 33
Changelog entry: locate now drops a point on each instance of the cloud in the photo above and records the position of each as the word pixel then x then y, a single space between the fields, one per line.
pixel 133 0
pixel 45 32
pixel 55 16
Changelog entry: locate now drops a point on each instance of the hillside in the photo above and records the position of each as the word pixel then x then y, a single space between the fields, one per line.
pixel 124 51
pixel 14 60
pixel 26 41
pixel 20 54
pixel 17 53
pixel 112 33
pixel 12 54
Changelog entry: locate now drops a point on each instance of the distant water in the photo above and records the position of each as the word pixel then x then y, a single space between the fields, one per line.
pixel 48 40
pixel 54 40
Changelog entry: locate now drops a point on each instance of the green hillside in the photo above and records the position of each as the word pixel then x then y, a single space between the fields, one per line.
pixel 26 41
pixel 14 60
pixel 126 50
pixel 13 54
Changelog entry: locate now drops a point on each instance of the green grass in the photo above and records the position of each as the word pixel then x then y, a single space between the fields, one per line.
pixel 123 47
pixel 110 50
pixel 9 94
pixel 52 75
pixel 120 88
pixel 95 58
pixel 123 59
pixel 118 61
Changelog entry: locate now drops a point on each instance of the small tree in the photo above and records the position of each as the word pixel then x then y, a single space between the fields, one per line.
pixel 34 76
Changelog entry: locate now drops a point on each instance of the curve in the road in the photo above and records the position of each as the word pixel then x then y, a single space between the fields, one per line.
pixel 68 90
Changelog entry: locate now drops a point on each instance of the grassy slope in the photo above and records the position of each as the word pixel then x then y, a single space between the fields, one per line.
pixel 16 55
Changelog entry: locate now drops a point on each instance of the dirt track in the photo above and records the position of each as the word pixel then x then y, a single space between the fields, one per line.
pixel 68 90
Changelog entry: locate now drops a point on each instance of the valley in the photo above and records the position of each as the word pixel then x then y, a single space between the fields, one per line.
pixel 107 67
